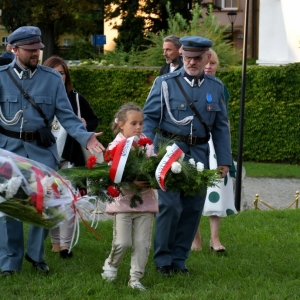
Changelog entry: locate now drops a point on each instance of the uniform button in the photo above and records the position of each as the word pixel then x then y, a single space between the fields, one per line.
pixel 194 129
pixel 25 107
pixel 25 121
pixel 182 105
pixel 195 100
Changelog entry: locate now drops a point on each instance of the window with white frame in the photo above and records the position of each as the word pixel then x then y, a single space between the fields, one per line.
pixel 4 41
pixel 227 4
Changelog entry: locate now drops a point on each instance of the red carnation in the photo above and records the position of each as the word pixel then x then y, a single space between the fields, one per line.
pixel 91 161
pixel 6 170
pixel 109 155
pixel 82 193
pixel 113 152
pixel 144 141
pixel 112 191
pixel 33 199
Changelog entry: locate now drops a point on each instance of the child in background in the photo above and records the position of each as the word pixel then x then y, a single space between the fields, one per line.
pixel 132 226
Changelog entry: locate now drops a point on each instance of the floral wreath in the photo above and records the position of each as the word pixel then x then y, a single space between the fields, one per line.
pixel 170 170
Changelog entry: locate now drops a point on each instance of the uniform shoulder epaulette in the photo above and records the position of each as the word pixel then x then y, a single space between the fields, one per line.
pixel 170 75
pixel 214 78
pixel 50 70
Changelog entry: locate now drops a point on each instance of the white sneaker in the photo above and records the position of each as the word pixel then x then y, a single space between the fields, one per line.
pixel 137 285
pixel 110 272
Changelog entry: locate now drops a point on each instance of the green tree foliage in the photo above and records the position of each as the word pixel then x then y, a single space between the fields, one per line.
pixel 78 17
pixel 80 48
pixel 206 26
pixel 138 18
pixel 200 25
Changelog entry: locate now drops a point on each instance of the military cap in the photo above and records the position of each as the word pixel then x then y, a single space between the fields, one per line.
pixel 194 45
pixel 26 37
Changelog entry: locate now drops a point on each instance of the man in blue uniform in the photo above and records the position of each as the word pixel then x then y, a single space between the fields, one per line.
pixel 24 130
pixel 169 113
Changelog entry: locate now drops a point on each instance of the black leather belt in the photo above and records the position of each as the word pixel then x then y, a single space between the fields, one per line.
pixel 188 139
pixel 27 136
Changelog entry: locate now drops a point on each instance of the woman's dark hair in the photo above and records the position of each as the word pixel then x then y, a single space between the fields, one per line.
pixel 55 61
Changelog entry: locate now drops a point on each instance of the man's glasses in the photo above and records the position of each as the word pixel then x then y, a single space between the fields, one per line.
pixel 196 58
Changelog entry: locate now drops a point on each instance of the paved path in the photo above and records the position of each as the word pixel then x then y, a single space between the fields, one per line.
pixel 279 193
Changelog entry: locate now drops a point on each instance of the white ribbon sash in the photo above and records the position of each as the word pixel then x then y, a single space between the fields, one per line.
pixel 173 153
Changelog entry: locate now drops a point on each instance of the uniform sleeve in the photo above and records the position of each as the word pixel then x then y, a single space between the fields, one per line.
pixel 220 134
pixel 153 109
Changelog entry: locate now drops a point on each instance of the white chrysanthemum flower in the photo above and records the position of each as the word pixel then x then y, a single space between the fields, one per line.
pixel 12 186
pixel 200 166
pixel 47 183
pixel 176 167
pixel 192 161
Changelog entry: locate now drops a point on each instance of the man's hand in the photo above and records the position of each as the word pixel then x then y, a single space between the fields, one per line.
pixel 223 170
pixel 93 144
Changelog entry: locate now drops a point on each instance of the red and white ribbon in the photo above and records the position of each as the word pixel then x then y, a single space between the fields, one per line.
pixel 120 158
pixel 173 153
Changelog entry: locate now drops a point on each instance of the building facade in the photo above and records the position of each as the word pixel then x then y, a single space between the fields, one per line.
pixel 232 14
pixel 279 32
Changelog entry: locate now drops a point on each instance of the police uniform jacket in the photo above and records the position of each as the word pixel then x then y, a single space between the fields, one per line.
pixel 44 85
pixel 208 98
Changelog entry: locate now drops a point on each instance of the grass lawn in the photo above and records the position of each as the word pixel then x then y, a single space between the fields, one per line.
pixel 261 262
pixel 272 170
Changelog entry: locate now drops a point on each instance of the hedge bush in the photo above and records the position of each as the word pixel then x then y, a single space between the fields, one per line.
pixel 272 104
pixel 108 88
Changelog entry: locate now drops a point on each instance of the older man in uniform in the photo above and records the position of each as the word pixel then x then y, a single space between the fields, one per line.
pixel 185 106
pixel 24 130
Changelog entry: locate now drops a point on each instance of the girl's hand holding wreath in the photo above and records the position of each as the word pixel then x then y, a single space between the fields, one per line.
pixel 142 184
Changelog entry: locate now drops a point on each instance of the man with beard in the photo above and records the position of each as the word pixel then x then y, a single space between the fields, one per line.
pixel 186 105
pixel 24 130
pixel 171 48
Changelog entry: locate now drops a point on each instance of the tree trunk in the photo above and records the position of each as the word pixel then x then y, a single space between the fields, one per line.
pixel 48 41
